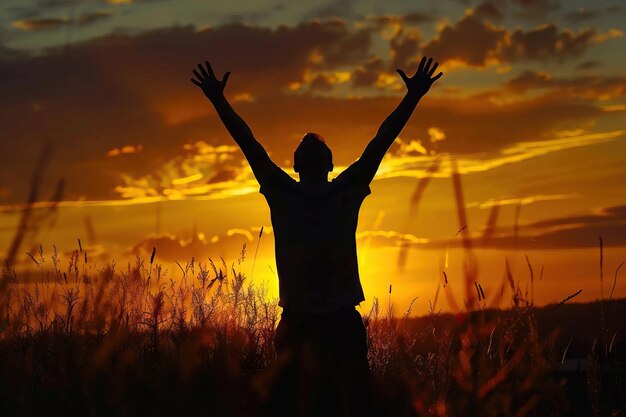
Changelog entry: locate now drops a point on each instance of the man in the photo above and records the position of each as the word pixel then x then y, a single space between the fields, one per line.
pixel 320 341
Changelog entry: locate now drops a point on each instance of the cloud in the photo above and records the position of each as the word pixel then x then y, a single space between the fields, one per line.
pixel 122 89
pixel 545 43
pixel 204 170
pixel 581 15
pixel 587 65
pixel 525 9
pixel 470 40
pixel 535 9
pixel 126 149
pixel 89 18
pixel 518 201
pixel 490 9
pixel 404 48
pixel 41 23
pixel 580 231
pixel 408 160
pixel 474 42
pixel 385 21
pixel 571 232
pixel 52 23
pixel 104 95
pixel 172 248
pixel 335 9
pixel 589 87
pixel 366 75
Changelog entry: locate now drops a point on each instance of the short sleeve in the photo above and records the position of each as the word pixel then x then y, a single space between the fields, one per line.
pixel 354 178
pixel 274 179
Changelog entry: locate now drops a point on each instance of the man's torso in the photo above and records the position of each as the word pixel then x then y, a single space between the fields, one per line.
pixel 314 232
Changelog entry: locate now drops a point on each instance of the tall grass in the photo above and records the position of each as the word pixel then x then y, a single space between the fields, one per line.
pixel 124 341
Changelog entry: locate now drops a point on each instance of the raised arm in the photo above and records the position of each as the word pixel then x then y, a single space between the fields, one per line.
pixel 417 86
pixel 262 166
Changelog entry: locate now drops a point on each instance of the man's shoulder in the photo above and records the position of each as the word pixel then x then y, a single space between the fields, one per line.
pixel 345 185
pixel 279 184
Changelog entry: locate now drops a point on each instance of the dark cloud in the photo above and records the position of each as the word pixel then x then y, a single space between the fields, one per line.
pixel 535 9
pixel 335 9
pixel 57 3
pixel 587 65
pixel 52 23
pixel 419 17
pixel 126 89
pixel 173 248
pixel 478 43
pixel 404 48
pixel 570 232
pixel 253 16
pixel 490 9
pixel 476 124
pixel 10 53
pixel 526 9
pixel 470 40
pixel 411 18
pixel 581 15
pixel 592 87
pixel 322 82
pixel 88 18
pixel 546 43
pixel 367 74
pixel 224 175
pixel 40 23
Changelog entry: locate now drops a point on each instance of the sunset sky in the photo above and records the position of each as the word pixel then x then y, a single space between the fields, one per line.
pixel 531 110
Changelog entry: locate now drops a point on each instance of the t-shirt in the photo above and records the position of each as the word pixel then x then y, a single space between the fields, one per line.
pixel 315 242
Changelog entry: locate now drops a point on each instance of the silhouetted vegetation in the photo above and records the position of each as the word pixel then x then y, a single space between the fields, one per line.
pixel 134 341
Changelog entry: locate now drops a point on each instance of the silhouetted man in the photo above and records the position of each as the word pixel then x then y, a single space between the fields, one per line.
pixel 321 341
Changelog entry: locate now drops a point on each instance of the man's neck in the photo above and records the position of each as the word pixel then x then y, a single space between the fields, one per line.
pixel 314 181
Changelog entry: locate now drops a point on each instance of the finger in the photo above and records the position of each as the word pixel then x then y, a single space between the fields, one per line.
pixel 225 77
pixel 196 82
pixel 200 77
pixel 438 76
pixel 427 67
pixel 421 66
pixel 208 67
pixel 432 70
pixel 403 75
pixel 203 71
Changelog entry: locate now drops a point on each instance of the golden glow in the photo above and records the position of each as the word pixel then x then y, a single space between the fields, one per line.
pixel 125 150
pixel 552 149
pixel 187 180
pixel 614 107
pixel 243 97
pixel 436 134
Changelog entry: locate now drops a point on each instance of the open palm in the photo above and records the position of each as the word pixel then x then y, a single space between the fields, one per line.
pixel 423 79
pixel 208 82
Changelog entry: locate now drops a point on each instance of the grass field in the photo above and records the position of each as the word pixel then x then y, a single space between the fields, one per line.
pixel 132 341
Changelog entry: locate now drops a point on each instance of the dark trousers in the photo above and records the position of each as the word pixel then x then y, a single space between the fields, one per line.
pixel 322 367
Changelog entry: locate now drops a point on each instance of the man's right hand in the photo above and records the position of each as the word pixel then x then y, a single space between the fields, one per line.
pixel 208 82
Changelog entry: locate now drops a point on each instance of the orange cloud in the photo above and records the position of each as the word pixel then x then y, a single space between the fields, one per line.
pixel 124 150
pixel 51 23
pixel 47 23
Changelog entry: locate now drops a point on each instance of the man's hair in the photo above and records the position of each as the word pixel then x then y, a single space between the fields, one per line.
pixel 314 139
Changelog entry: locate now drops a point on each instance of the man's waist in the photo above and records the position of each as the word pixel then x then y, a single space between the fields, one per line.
pixel 289 311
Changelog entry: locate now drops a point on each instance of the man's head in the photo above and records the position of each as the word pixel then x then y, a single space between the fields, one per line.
pixel 313 158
